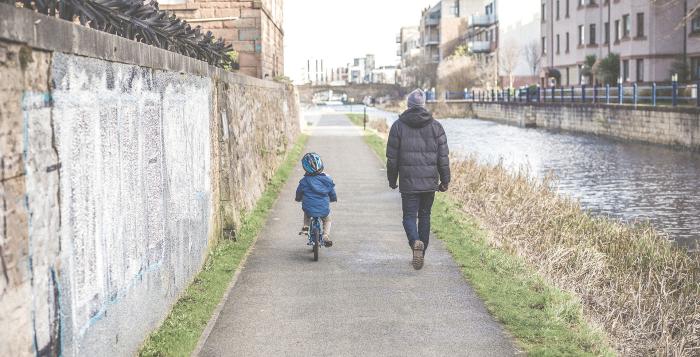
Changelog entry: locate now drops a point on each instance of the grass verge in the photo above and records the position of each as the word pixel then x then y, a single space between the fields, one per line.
pixel 179 333
pixel 544 320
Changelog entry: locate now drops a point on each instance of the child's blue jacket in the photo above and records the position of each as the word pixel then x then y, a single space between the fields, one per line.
pixel 315 194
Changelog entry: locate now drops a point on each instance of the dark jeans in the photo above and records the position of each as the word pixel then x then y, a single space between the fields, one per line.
pixel 417 207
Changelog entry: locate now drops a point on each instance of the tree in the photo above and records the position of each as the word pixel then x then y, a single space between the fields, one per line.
pixel 508 60
pixel 459 72
pixel 607 70
pixel 533 56
pixel 587 69
pixel 421 73
pixel 680 67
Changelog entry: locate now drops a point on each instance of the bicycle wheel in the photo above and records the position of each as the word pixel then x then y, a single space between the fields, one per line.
pixel 316 244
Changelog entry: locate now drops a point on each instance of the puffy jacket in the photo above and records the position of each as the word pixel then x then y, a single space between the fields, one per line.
pixel 315 194
pixel 417 152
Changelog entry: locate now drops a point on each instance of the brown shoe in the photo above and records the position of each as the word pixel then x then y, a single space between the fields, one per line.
pixel 418 255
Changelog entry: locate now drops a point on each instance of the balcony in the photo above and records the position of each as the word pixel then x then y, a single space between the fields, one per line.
pixel 398 38
pixel 432 21
pixel 398 52
pixel 431 41
pixel 435 58
pixel 482 20
pixel 480 46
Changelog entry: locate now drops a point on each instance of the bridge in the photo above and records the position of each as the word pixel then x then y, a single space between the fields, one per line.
pixel 352 91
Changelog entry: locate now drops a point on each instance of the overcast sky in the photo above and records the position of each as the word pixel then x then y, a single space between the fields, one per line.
pixel 337 31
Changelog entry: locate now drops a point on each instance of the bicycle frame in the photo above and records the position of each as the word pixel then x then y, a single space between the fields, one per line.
pixel 314 227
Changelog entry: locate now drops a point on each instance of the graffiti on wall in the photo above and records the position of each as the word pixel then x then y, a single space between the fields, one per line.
pixel 134 151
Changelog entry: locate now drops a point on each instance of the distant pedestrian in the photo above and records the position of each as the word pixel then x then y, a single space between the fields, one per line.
pixel 418 157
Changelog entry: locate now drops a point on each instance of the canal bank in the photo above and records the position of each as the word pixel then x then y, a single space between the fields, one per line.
pixel 676 127
pixel 629 280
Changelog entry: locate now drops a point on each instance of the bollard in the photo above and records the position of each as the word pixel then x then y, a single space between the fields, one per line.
pixel 620 94
pixel 527 94
pixel 595 93
pixel 583 93
pixel 364 120
pixel 653 94
pixel 572 95
pixel 634 94
pixel 553 94
pixel 607 94
pixel 561 93
pixel 509 96
pixel 697 93
pixel 674 93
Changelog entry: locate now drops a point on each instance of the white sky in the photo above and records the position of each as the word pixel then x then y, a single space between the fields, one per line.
pixel 338 31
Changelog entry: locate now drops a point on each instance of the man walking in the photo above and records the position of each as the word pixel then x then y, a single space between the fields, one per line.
pixel 418 156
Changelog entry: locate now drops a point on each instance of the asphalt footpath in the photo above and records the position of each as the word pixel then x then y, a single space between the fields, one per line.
pixel 362 298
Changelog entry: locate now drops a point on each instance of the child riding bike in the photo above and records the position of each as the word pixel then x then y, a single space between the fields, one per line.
pixel 315 192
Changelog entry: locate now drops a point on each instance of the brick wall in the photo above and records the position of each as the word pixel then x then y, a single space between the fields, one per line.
pixel 257 35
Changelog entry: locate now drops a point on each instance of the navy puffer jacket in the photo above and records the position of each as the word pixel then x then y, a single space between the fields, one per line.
pixel 315 194
pixel 417 153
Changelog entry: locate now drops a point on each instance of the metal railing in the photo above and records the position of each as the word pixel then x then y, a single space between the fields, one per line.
pixel 668 94
pixel 481 20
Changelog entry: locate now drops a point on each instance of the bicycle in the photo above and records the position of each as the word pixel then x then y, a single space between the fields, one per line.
pixel 315 236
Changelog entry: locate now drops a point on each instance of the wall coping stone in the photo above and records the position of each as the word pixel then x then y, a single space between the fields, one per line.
pixel 52 34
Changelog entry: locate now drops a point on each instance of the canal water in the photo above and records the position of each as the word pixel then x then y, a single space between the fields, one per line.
pixel 628 181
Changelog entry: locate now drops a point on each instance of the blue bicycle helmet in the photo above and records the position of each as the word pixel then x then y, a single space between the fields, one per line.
pixel 312 163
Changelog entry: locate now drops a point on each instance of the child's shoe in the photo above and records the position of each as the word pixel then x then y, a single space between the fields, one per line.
pixel 304 231
pixel 327 242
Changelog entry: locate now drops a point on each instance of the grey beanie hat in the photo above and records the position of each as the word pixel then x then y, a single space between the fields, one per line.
pixel 416 99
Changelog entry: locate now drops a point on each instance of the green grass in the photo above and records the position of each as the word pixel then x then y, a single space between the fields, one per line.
pixel 179 333
pixel 544 320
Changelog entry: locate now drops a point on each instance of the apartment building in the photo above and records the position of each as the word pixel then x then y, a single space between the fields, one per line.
pixel 409 49
pixel 360 70
pixel 499 33
pixel 649 36
pixel 253 28
pixel 441 27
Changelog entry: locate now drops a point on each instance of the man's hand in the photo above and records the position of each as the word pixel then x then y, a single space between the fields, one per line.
pixel 443 187
pixel 393 186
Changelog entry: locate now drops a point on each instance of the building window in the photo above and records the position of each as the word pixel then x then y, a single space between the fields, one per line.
pixel 544 12
pixel 455 8
pixel 640 24
pixel 626 26
pixel 567 43
pixel 557 9
pixel 544 45
pixel 695 68
pixel 591 34
pixel 581 2
pixel 558 44
pixel 581 35
pixel 695 25
pixel 567 8
pixel 640 70
pixel 607 32
pixel 617 30
pixel 625 70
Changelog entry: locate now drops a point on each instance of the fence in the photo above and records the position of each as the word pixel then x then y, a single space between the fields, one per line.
pixel 673 94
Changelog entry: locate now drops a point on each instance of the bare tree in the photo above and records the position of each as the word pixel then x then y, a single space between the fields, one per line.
pixel 421 73
pixel 533 56
pixel 459 72
pixel 508 60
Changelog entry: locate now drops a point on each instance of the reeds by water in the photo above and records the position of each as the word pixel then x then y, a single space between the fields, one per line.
pixel 634 283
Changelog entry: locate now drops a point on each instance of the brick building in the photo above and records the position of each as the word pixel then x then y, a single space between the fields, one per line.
pixel 254 28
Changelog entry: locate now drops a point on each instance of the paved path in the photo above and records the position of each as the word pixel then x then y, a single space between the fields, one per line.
pixel 362 298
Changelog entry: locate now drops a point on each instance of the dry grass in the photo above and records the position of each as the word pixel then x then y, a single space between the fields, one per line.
pixel 631 280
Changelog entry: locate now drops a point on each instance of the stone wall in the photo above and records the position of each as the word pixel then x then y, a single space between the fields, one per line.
pixel 661 125
pixel 121 164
